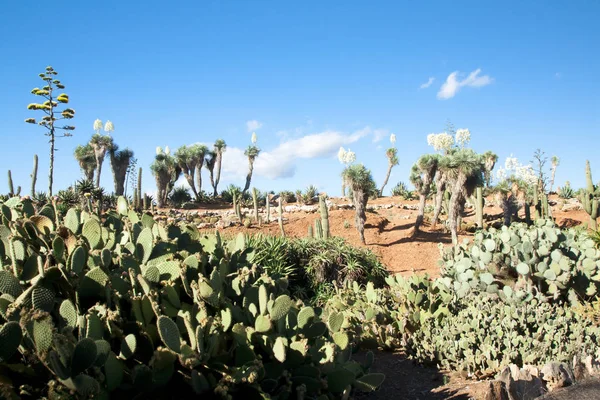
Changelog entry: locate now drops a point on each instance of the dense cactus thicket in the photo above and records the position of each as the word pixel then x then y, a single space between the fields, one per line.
pixel 117 305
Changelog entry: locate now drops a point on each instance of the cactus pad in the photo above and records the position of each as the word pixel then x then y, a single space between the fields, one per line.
pixel 369 382
pixel 78 260
pixel 306 317
pixel 262 324
pixel 10 339
pixel 9 284
pixel 169 333
pixel 113 371
pixel 335 321
pixel 42 298
pixel 102 352
pixel 128 346
pixel 42 334
pixel 341 339
pixel 43 224
pixel 281 307
pixel 92 231
pixel 143 247
pixel 84 356
pixel 279 349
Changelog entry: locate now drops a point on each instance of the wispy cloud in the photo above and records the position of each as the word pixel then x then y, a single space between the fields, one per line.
pixel 428 83
pixel 253 125
pixel 558 75
pixel 453 84
pixel 281 161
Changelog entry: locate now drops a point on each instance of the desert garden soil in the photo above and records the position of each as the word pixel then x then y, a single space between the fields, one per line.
pixel 389 234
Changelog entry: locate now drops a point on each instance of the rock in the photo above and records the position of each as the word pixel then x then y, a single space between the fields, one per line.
pixel 496 391
pixel 522 384
pixel 572 205
pixel 205 225
pixel 557 375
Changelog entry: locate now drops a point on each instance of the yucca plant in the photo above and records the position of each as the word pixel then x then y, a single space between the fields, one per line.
pixel 219 148
pixel 166 172
pixel 251 152
pixel 100 144
pixel 359 179
pixel 422 175
pixel 119 161
pixel 87 160
pixel 392 156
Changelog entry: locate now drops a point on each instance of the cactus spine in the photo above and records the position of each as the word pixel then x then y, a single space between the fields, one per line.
pixel 479 206
pixel 588 200
pixel 324 217
pixel 281 218
pixel 34 174
pixel 255 201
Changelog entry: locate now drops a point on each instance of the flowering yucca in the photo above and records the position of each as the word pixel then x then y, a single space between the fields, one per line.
pixel 527 174
pixel 393 138
pixel 97 125
pixel 463 137
pixel 511 163
pixel 440 141
pixel 342 155
pixel 254 138
pixel 501 174
pixel 167 150
pixel 109 127
pixel 350 157
pixel 159 150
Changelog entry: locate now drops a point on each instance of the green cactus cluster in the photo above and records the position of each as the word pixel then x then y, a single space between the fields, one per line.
pixel 522 260
pixel 120 305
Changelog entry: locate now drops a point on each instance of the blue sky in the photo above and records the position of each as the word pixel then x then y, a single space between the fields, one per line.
pixel 313 75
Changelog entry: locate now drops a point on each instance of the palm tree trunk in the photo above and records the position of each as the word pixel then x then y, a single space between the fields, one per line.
pixel 218 174
pixel 360 204
pixel 99 162
pixel 440 186
pixel 249 176
pixel 190 180
pixel 421 214
pixel 387 178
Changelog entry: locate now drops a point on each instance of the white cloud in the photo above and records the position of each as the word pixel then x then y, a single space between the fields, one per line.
pixel 379 134
pixel 253 125
pixel 453 84
pixel 428 83
pixel 280 162
pixel 558 75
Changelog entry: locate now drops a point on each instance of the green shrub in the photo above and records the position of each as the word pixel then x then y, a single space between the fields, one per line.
pixel 179 195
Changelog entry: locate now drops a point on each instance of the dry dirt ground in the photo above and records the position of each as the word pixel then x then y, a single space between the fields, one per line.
pixel 389 234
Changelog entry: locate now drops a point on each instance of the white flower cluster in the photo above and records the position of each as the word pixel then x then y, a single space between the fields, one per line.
pixel 393 139
pixel 160 151
pixel 440 141
pixel 254 138
pixel 463 137
pixel 346 156
pixel 97 126
pixel 109 127
pixel 512 168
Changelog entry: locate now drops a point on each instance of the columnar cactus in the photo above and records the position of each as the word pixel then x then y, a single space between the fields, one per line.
pixel 280 209
pixel 255 201
pixel 324 217
pixel 589 199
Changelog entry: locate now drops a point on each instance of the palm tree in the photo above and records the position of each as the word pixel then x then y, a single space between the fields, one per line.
pixel 101 144
pixel 219 148
pixel 190 160
pixel 489 159
pixel 87 160
pixel 119 161
pixel 464 169
pixel 166 171
pixel 359 179
pixel 251 152
pixel 422 174
pixel 392 155
pixel 209 162
pixel 555 163
pixel 198 153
